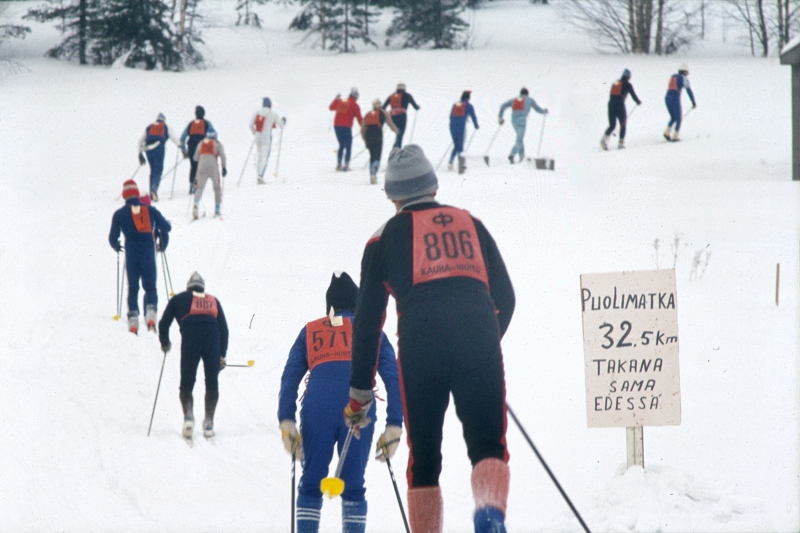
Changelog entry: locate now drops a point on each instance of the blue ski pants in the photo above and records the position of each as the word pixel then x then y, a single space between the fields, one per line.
pixel 345 137
pixel 519 145
pixel 673 101
pixel 141 264
pixel 400 122
pixel 156 159
pixel 457 133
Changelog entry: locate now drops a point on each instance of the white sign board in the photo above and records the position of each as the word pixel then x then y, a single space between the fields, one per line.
pixel 630 347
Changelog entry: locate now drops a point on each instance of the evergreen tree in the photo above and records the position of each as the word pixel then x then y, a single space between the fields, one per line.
pixel 246 16
pixel 421 22
pixel 75 20
pixel 337 22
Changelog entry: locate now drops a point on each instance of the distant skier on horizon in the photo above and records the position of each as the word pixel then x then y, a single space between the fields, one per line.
pixel 459 113
pixel 204 335
pixel 520 107
pixel 620 89
pixel 372 133
pixel 261 125
pixel 677 82
pixel 205 156
pixel 153 143
pixel 146 232
pixel 194 132
pixel 346 111
pixel 398 103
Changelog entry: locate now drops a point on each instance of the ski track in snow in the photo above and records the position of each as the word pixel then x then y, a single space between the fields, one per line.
pixel 77 389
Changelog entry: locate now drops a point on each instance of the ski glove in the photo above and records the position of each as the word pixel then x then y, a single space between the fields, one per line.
pixel 355 413
pixel 388 442
pixel 292 440
pixel 185 153
pixel 283 121
pixel 167 347
pixel 222 364
pixel 118 248
pixel 142 160
pixel 224 172
pixel 501 121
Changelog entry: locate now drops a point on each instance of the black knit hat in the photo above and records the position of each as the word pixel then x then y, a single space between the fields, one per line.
pixel 199 112
pixel 342 293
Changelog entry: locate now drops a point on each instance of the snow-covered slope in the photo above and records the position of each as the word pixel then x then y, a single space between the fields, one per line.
pixel 76 388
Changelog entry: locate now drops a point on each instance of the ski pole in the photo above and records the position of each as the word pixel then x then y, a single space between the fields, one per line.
pixel 116 294
pixel 358 154
pixel 164 270
pixel 486 156
pixel 246 159
pixel 334 486
pixel 687 112
pixel 249 364
pixel 157 389
pixel 136 171
pixel 541 135
pixel 470 140
pixel 278 155
pixel 624 122
pixel 121 289
pixel 396 491
pixel 174 171
pixel 413 125
pixel 564 494
pixel 169 276
pixel 294 455
pixel 449 146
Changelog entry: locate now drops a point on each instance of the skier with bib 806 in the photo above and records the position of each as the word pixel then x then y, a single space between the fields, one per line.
pixel 153 144
pixel 460 112
pixel 520 107
pixel 398 104
pixel 146 231
pixel 192 135
pixel 620 89
pixel 206 155
pixel 204 336
pixel 346 111
pixel 323 349
pixel 677 82
pixel 261 125
pixel 454 303
pixel 372 133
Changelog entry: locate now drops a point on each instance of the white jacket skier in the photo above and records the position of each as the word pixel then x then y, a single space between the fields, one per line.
pixel 261 125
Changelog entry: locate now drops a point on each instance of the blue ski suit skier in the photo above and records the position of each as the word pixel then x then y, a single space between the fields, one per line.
pixel 677 82
pixel 460 112
pixel 204 335
pixel 620 89
pixel 323 349
pixel 398 105
pixel 454 304
pixel 153 144
pixel 192 135
pixel 146 231
pixel 520 107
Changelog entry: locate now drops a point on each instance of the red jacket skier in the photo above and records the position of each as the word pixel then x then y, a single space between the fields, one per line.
pixel 346 112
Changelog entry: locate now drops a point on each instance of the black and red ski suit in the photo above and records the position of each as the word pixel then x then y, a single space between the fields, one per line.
pixel 454 303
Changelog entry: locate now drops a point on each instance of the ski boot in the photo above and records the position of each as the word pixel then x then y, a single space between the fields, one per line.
pixel 261 181
pixel 217 208
pixel 621 145
pixel 511 159
pixel 133 322
pixel 667 133
pixel 346 168
pixel 153 196
pixel 211 405
pixel 489 520
pixel 604 142
pixel 449 165
pixel 187 402
pixel 194 211
pixel 462 164
pixel 373 179
pixel 150 316
pixel 675 137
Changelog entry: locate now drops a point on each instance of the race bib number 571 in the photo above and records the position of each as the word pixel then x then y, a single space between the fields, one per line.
pixel 446 245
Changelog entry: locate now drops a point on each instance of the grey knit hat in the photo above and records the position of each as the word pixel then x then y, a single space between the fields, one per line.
pixel 161 117
pixel 196 283
pixel 409 174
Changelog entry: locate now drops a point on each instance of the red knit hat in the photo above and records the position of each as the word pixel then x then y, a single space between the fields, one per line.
pixel 129 189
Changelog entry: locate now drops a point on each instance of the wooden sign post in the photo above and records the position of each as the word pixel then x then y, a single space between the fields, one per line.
pixel 630 346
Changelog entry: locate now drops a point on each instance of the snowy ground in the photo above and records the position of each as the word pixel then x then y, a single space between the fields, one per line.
pixel 76 388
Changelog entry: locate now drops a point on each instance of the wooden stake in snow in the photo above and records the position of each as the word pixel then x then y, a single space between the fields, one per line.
pixel 777 282
pixel 634 437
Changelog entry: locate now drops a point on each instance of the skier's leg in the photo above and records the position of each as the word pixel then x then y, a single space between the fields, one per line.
pixel 457 133
pixel 519 144
pixel 622 115
pixel 200 184
pixel 612 121
pixel 340 137
pixel 133 266
pixel 215 181
pixel 354 515
pixel 155 158
pixel 149 274
pixel 356 461
pixel 400 122
pixel 319 427
pixel 678 116
pixel 348 146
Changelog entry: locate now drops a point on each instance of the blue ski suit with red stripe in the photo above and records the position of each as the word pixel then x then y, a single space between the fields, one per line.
pixel 677 82
pixel 141 232
pixel 327 390
pixel 459 114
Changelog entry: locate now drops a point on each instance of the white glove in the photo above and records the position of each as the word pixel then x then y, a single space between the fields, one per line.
pixel 292 440
pixel 388 443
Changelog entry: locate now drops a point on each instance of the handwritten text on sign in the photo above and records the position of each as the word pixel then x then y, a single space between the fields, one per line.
pixel 630 346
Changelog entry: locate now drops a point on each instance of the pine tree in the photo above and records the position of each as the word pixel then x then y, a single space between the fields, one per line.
pixel 337 22
pixel 421 22
pixel 76 20
pixel 248 17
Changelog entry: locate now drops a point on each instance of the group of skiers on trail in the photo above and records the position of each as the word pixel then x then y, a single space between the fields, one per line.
pixel 621 88
pixel 455 301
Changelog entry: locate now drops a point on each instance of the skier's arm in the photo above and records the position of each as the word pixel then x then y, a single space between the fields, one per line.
pixel 388 102
pixel 500 287
pixel 166 321
pixel 184 135
pixel 113 235
pixel 223 331
pixel 252 123
pixel 689 90
pixel 334 105
pixel 503 108
pixel 140 146
pixel 471 113
pixel 632 93
pixel 162 227
pixel 368 322
pixel 389 121
pixel 209 126
pixel 221 153
pixel 411 101
pixel 535 106
pixel 387 368
pixel 296 367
